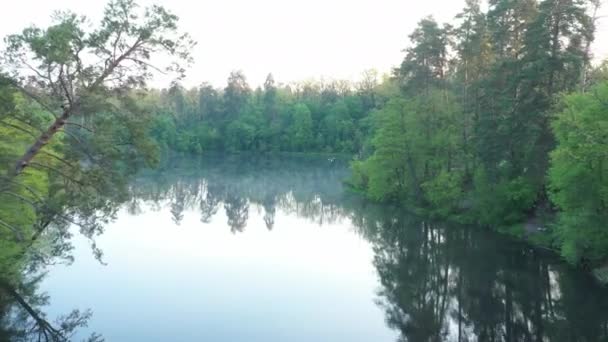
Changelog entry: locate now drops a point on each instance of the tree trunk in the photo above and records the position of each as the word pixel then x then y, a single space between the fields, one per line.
pixel 594 19
pixel 42 141
pixel 555 33
pixel 41 322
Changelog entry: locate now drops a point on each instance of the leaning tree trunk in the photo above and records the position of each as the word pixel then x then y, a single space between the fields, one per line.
pixel 45 327
pixel 68 110
pixel 42 141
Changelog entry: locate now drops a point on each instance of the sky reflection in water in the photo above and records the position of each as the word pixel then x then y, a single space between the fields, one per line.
pixel 274 249
pixel 302 280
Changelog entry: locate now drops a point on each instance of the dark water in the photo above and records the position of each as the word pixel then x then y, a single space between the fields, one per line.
pixel 273 249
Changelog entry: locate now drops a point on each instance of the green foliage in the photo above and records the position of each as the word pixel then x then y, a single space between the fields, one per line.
pixel 425 64
pixel 301 128
pixel 444 192
pixel 415 150
pixel 578 177
pixel 466 136
pixel 470 138
pixel 163 131
pixel 500 203
pixel 73 128
pixel 239 136
pixel 310 117
pixel 18 218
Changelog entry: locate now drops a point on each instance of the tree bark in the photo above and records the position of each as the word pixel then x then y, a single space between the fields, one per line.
pixel 42 141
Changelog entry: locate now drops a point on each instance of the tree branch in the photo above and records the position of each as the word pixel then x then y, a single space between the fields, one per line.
pixel 138 61
pixel 45 327
pixel 58 172
pixel 19 128
pixel 52 155
pixel 17 232
pixel 33 204
pixel 25 122
pixel 67 93
pixel 33 97
pixel 79 125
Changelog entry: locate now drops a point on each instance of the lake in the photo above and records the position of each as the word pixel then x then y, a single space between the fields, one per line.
pixel 246 248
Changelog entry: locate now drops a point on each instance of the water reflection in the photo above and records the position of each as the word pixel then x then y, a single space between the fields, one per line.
pixel 308 187
pixel 437 282
pixel 21 317
pixel 445 283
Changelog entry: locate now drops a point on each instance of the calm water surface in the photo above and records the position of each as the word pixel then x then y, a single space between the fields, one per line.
pixel 273 249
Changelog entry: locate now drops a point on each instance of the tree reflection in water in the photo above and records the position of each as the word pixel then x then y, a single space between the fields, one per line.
pixel 309 187
pixel 443 282
pixel 438 282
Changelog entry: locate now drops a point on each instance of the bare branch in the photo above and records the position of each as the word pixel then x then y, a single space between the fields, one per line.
pixel 71 135
pixel 14 230
pixel 61 173
pixel 33 97
pixel 108 71
pixel 43 325
pixel 48 71
pixel 19 197
pixel 79 125
pixel 19 128
pixel 81 147
pixel 48 78
pixel 26 122
pixel 116 43
pixel 29 189
pixel 138 61
pixel 52 155
pixel 67 93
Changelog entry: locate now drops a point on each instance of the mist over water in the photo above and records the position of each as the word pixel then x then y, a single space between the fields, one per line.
pixel 247 248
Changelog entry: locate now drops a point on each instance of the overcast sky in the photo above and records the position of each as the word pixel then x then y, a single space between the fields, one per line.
pixel 293 39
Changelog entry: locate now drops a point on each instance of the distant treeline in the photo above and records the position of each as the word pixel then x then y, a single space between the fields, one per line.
pixel 304 117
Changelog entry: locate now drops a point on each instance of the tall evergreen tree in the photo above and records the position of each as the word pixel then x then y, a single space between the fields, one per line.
pixel 426 63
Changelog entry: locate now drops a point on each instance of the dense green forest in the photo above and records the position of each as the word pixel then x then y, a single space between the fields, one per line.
pixel 311 116
pixel 499 118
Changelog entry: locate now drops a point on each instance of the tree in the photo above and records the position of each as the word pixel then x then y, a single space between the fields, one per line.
pixel 578 177
pixel 474 56
pixel 556 44
pixel 426 62
pixel 236 95
pixel 270 98
pixel 301 128
pixel 502 130
pixel 75 69
pixel 554 58
pixel 367 88
pixel 209 101
pixel 390 173
pixel 237 212
pixel 178 100
pixel 76 93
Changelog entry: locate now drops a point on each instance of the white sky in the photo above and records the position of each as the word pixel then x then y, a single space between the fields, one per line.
pixel 293 39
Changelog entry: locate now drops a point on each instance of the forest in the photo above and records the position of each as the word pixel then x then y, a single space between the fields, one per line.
pixel 497 119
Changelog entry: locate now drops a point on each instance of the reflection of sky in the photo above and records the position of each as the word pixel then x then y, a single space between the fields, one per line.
pixel 200 282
